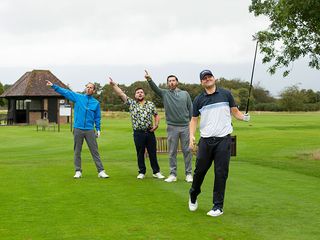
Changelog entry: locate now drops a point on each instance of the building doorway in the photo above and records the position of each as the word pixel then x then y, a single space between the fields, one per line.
pixel 52 110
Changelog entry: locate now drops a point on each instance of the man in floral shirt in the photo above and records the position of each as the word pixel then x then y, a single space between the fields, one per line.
pixel 141 112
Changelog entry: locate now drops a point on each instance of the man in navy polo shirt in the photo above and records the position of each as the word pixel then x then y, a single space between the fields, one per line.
pixel 215 105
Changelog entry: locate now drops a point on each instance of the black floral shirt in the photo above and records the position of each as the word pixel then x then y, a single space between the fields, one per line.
pixel 141 115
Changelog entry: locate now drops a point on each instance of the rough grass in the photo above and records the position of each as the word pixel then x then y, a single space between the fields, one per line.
pixel 316 155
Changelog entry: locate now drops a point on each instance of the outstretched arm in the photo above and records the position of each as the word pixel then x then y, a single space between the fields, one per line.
pixel 118 90
pixel 64 92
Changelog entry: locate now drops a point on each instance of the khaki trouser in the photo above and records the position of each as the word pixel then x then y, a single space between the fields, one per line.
pixel 174 134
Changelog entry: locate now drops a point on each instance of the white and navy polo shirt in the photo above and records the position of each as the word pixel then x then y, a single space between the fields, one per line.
pixel 215 113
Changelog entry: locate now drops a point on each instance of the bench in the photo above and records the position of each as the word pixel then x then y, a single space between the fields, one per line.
pixel 162 146
pixel 44 124
pixel 3 119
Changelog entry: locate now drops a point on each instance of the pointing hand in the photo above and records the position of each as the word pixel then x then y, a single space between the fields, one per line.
pixel 147 76
pixel 112 83
pixel 49 83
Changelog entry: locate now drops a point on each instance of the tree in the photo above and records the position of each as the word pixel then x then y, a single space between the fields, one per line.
pixel 261 95
pixel 6 86
pixel 294 32
pixel 110 100
pixel 98 90
pixel 292 99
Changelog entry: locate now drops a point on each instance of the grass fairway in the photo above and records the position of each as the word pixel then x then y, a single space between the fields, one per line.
pixel 272 190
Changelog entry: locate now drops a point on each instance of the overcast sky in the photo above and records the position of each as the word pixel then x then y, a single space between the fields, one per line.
pixel 81 41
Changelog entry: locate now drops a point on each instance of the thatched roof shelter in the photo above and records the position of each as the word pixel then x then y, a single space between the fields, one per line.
pixel 33 84
pixel 30 99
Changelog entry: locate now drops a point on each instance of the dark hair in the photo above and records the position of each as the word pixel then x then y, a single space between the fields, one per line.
pixel 172 76
pixel 138 88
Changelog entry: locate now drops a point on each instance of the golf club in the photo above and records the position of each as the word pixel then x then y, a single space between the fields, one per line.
pixel 254 63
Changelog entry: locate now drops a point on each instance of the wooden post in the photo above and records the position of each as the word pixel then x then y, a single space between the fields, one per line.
pixel 58 117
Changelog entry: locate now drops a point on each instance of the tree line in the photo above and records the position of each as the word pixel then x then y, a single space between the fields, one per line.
pixel 3 101
pixel 290 99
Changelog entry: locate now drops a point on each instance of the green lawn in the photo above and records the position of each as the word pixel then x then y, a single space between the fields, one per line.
pixel 272 190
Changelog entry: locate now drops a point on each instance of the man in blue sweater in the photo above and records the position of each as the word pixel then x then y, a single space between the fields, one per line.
pixel 86 116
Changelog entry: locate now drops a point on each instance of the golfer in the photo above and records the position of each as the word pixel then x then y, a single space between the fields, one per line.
pixel 178 107
pixel 215 105
pixel 86 116
pixel 141 112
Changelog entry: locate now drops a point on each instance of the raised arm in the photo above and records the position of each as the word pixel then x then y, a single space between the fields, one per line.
pixel 64 92
pixel 118 90
pixel 153 86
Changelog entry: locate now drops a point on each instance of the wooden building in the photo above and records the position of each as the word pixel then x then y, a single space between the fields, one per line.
pixel 30 99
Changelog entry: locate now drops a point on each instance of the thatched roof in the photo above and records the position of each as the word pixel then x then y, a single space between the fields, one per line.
pixel 33 84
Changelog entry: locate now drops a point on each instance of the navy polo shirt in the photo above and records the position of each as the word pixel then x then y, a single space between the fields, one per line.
pixel 215 112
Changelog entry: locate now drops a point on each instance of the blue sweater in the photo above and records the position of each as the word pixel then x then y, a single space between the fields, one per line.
pixel 86 109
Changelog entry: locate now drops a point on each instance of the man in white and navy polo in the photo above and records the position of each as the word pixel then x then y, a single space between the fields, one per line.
pixel 215 105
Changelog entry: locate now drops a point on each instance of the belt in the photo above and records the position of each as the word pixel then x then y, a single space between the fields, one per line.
pixel 217 137
pixel 142 131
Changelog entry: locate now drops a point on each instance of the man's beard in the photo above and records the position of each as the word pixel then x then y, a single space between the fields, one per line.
pixel 139 100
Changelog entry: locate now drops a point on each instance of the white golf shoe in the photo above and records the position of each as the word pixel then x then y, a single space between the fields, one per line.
pixel 171 178
pixel 78 174
pixel 140 176
pixel 189 178
pixel 193 206
pixel 158 175
pixel 215 213
pixel 103 174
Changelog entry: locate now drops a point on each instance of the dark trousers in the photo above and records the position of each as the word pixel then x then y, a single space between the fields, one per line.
pixel 217 149
pixel 143 140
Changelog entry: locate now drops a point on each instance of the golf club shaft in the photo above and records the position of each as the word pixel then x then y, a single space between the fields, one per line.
pixel 252 73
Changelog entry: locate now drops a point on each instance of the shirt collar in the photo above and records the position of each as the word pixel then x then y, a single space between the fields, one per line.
pixel 175 90
pixel 206 94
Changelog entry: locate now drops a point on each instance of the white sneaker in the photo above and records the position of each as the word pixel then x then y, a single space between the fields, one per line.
pixel 193 206
pixel 189 178
pixel 215 213
pixel 140 176
pixel 103 174
pixel 171 178
pixel 158 175
pixel 78 174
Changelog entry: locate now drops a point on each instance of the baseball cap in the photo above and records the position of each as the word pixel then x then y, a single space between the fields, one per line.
pixel 204 73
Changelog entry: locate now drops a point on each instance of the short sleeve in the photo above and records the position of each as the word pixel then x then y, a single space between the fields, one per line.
pixel 129 101
pixel 154 110
pixel 231 100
